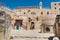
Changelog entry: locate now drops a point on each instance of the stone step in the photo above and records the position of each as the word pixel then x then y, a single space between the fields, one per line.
pixel 30 33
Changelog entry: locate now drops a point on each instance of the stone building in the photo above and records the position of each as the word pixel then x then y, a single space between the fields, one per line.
pixel 34 17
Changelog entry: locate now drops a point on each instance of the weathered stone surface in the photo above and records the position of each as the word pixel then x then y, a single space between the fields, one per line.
pixel 29 35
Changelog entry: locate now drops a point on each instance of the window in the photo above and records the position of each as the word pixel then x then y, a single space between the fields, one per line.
pixel 28 10
pixel 29 19
pixel 11 37
pixel 33 13
pixel 47 13
pixel 37 18
pixel 55 3
pixel 59 3
pixel 55 7
pixel 24 12
pixel 59 8
pixel 41 13
pixel 58 24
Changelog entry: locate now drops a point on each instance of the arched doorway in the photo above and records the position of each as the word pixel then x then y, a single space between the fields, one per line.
pixel 18 24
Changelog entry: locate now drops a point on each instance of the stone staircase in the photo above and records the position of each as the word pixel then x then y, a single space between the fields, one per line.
pixel 29 35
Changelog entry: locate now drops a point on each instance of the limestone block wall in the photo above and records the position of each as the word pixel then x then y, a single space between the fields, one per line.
pixel 46 16
pixel 55 6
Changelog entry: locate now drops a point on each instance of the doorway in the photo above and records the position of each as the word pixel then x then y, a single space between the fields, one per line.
pixel 18 24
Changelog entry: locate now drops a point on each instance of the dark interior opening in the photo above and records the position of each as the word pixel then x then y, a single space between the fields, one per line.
pixel 37 18
pixel 29 19
pixel 2 13
pixel 47 29
pixel 32 25
pixel 18 24
pixel 58 24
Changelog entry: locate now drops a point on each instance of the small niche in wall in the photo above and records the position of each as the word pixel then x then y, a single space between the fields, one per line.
pixel 55 8
pixel 58 24
pixel 47 13
pixel 59 3
pixel 55 4
pixel 37 18
pixel 2 13
pixel 28 10
pixel 59 8
pixel 24 13
pixel 11 37
pixel 41 13
pixel 29 19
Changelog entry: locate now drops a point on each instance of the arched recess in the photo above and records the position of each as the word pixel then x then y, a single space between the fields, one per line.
pixel 18 24
pixel 32 25
pixel 47 29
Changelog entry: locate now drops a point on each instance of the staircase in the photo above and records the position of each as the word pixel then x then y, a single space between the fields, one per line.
pixel 29 35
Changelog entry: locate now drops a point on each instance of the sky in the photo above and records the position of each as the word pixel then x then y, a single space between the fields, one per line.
pixel 16 3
